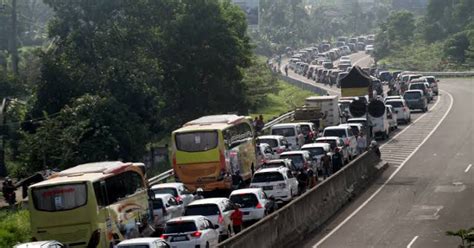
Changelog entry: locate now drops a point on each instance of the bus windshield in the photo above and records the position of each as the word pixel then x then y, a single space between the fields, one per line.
pixel 60 197
pixel 196 141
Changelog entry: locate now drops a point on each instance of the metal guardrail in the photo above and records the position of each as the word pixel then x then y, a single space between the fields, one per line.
pixel 161 177
pixel 169 173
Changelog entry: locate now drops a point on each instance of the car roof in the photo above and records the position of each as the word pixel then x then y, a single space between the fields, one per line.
pixel 37 244
pixel 283 125
pixel 166 185
pixel 213 200
pixel 414 91
pixel 351 124
pixel 274 169
pixel 394 100
pixel 315 145
pixel 246 191
pixel 328 138
pixel 271 137
pixel 293 153
pixel 140 241
pixel 336 127
pixel 162 196
pixel 357 119
pixel 274 161
pixel 187 218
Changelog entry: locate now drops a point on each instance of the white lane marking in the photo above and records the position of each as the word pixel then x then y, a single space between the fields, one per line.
pixel 412 241
pixel 365 57
pixel 415 121
pixel 467 169
pixel 393 174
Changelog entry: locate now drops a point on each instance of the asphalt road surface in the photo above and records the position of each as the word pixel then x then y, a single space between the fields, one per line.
pixel 428 192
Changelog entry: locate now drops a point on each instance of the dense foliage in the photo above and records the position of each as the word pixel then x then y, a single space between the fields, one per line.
pixel 15 227
pixel 121 74
pixel 447 28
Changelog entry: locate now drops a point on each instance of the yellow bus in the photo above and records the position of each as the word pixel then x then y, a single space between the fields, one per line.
pixel 91 205
pixel 208 151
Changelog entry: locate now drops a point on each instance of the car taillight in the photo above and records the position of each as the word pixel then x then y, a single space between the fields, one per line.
pixel 259 205
pixel 196 234
pixel 178 198
pixel 94 239
pixel 220 219
pixel 164 236
pixel 279 150
pixel 282 185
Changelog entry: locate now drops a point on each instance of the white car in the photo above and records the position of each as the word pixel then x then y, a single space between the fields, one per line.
pixel 278 163
pixel 316 151
pixel 300 159
pixel 392 117
pixel 433 83
pixel 265 153
pixel 253 203
pixel 165 207
pixel 289 131
pixel 144 242
pixel 345 133
pixel 401 108
pixel 178 190
pixel 278 143
pixel 357 128
pixel 336 142
pixel 388 98
pixel 217 210
pixel 278 183
pixel 191 231
pixel 41 244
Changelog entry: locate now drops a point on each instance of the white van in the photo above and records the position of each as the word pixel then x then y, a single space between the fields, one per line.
pixel 288 130
pixel 345 133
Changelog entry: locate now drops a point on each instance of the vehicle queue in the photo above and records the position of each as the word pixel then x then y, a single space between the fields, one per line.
pixel 102 204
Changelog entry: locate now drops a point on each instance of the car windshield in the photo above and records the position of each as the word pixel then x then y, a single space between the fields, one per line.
pixel 286 132
pixel 335 132
pixel 417 86
pixel 297 159
pixel 267 177
pixel 431 80
pixel 395 104
pixel 171 191
pixel 314 151
pixel 196 141
pixel 411 95
pixel 273 164
pixel 180 227
pixel 248 200
pixel 272 142
pixel 202 209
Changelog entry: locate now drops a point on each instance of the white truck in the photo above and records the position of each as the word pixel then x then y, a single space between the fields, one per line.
pixel 329 107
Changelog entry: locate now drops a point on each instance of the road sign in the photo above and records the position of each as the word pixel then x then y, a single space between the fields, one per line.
pixel 357 108
pixel 376 108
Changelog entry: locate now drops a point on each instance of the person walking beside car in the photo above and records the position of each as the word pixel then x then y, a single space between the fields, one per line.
pixel 312 175
pixel 361 143
pixel 236 218
pixel 337 160
pixel 302 181
pixel 286 70
pixel 326 161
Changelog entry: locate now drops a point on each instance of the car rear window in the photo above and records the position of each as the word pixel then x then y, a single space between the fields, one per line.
pixel 305 129
pixel 202 209
pixel 286 132
pixel 332 143
pixel 335 132
pixel 271 142
pixel 431 80
pixel 273 165
pixel 60 197
pixel 314 151
pixel 180 227
pixel 196 141
pixel 171 191
pixel 395 104
pixel 245 200
pixel 267 177
pixel 297 159
pixel 412 95
pixel 417 86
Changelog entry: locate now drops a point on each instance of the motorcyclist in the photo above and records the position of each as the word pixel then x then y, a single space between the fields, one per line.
pixel 374 146
pixel 199 194
pixel 9 190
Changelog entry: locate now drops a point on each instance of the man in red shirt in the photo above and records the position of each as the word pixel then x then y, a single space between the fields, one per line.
pixel 236 217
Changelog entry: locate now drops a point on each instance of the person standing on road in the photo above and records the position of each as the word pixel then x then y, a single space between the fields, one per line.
pixel 326 161
pixel 301 139
pixel 286 70
pixel 312 175
pixel 337 160
pixel 236 218
pixel 302 181
pixel 361 143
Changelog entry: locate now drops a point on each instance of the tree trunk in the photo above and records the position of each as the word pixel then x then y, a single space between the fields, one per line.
pixel 13 40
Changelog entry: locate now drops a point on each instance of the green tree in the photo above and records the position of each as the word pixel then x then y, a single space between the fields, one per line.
pixel 394 34
pixel 456 47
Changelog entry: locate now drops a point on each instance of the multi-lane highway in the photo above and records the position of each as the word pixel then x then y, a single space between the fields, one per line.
pixel 428 188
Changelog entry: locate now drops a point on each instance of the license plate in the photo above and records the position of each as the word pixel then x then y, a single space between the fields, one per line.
pixel 246 213
pixel 267 187
pixel 179 238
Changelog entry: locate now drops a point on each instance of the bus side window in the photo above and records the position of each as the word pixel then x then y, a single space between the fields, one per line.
pixel 99 194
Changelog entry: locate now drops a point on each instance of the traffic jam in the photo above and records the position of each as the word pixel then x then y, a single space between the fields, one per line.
pixel 228 173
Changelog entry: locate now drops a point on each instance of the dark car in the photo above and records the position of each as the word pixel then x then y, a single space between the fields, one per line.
pixel 328 65
pixel 415 99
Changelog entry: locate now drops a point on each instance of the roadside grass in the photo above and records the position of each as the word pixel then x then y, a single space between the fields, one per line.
pixel 288 98
pixel 14 227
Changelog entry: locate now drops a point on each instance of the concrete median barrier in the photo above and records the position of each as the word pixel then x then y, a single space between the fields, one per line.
pixel 306 214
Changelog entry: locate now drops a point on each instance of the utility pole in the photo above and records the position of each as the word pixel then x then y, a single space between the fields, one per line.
pixel 13 40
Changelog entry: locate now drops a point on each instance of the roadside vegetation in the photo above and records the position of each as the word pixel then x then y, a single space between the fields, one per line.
pixel 15 227
pixel 441 39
